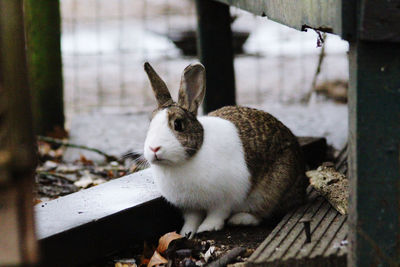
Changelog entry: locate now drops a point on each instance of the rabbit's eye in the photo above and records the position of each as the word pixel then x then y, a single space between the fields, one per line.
pixel 178 125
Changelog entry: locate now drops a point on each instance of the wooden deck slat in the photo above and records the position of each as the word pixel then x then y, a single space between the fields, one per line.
pixel 311 195
pixel 317 233
pixel 333 248
pixel 343 249
pixel 285 246
pixel 334 228
pixel 314 212
pixel 286 231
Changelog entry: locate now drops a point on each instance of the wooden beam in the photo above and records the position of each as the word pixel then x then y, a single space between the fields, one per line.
pixel 42 22
pixel 216 53
pixel 17 153
pixel 374 153
pixel 324 15
pixel 95 222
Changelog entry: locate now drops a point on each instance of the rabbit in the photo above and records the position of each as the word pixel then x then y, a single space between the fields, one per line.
pixel 237 163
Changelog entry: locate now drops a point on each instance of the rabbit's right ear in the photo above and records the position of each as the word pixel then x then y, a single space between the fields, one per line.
pixel 159 87
pixel 193 87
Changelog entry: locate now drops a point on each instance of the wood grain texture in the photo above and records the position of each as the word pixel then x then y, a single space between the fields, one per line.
pixel 111 215
pixel 374 152
pixel 17 153
pixel 286 245
pixel 324 15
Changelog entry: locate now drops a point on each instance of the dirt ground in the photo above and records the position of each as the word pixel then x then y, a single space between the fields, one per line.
pixel 223 241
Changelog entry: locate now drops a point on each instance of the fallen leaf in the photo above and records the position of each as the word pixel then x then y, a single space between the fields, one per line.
pixel 209 253
pixel 146 254
pixel 57 132
pixel 84 181
pixel 98 181
pixel 85 161
pixel 157 260
pixel 165 240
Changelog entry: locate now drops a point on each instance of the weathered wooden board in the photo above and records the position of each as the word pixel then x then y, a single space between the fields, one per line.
pixel 374 152
pixel 324 15
pixel 10 253
pixel 17 153
pixel 287 246
pixel 97 221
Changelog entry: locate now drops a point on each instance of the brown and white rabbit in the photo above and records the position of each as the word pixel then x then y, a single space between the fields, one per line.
pixel 237 163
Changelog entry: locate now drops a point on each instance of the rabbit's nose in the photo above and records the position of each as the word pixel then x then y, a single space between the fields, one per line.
pixel 154 149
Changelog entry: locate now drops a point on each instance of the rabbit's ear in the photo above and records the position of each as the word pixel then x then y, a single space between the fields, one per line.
pixel 159 87
pixel 193 87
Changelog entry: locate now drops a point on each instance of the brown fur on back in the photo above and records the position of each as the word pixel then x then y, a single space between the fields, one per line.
pixel 273 157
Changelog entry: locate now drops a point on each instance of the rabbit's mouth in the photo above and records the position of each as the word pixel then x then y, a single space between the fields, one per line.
pixel 157 158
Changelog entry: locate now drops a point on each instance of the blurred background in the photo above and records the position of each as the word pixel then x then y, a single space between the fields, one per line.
pixel 105 43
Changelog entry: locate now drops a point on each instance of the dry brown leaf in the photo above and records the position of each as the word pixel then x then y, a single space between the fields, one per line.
pixel 43 148
pixel 157 260
pixel 85 161
pixel 58 132
pixel 164 241
pixel 36 201
pixel 146 254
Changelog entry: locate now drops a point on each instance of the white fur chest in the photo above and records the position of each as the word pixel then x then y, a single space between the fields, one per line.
pixel 216 175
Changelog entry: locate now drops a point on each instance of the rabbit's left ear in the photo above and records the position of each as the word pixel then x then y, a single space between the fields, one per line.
pixel 193 87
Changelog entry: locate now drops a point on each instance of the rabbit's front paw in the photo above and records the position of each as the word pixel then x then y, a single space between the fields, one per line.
pixel 192 222
pixel 211 224
pixel 244 218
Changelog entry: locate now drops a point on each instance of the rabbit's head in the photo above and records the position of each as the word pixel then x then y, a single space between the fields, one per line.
pixel 175 134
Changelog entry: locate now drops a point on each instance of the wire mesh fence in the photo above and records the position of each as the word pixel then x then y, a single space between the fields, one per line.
pixel 104 45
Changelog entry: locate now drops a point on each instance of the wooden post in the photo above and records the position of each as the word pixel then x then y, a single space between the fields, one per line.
pixel 216 53
pixel 374 155
pixel 42 23
pixel 17 154
pixel 374 135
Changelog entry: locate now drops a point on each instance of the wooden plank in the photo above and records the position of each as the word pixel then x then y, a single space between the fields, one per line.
pixel 10 253
pixel 337 243
pixel 281 227
pixel 319 224
pixel 110 215
pixel 324 244
pixel 42 22
pixel 216 53
pixel 314 213
pixel 324 15
pixel 17 153
pixel 374 152
pixel 274 245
